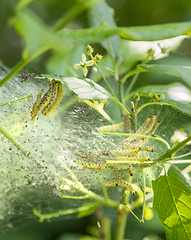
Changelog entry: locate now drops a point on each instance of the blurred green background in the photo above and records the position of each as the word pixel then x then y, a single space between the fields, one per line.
pixel 127 13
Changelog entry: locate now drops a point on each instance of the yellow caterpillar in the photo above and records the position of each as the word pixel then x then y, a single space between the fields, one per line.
pixel 127 123
pixel 141 159
pixel 150 125
pixel 93 166
pixel 126 152
pixel 45 111
pixel 154 128
pixel 121 183
pixel 57 95
pixel 112 128
pixel 134 146
pixel 36 109
pixel 47 96
pixel 116 170
pixel 50 100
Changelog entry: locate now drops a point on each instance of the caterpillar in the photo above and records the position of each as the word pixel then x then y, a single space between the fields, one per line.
pixel 127 123
pixel 50 100
pixel 111 128
pixel 36 109
pixel 154 128
pixel 133 146
pixel 144 126
pixel 93 166
pixel 58 97
pixel 127 152
pixel 150 125
pixel 47 96
pixel 130 171
pixel 121 183
pixel 141 159
pixel 116 170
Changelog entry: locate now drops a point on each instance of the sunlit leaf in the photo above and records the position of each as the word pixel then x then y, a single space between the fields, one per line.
pixel 85 88
pixel 173 204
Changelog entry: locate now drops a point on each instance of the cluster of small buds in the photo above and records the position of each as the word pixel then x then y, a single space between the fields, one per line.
pixel 98 57
pixel 89 50
pixel 84 64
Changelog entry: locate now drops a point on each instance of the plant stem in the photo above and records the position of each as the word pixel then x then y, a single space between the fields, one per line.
pixel 133 115
pixel 105 80
pixel 155 103
pixel 154 137
pixel 131 84
pixel 21 64
pixel 18 99
pixel 121 226
pixel 14 70
pixel 121 105
pixel 12 140
pixel 73 12
pixel 175 149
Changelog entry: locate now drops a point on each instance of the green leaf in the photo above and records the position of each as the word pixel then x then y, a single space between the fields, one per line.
pixel 90 35
pixel 141 33
pixel 87 209
pixel 85 88
pixel 100 13
pixel 172 202
pixel 176 71
pixel 155 32
pixel 37 35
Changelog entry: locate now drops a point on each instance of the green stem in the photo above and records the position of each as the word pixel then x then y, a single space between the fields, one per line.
pixel 154 103
pixel 12 140
pixel 131 84
pixel 18 99
pixel 105 80
pixel 133 115
pixel 120 104
pixel 175 149
pixel 144 194
pixel 57 214
pixel 14 70
pixel 154 137
pixel 121 226
pixel 22 63
pixel 73 12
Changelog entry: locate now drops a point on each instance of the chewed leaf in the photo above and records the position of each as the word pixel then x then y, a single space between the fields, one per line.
pixel 173 204
pixel 85 88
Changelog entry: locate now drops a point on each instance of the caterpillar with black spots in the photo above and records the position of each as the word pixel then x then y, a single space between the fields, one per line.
pixel 57 94
pixel 47 96
pixel 112 128
pixel 50 100
pixel 121 183
pixel 36 107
